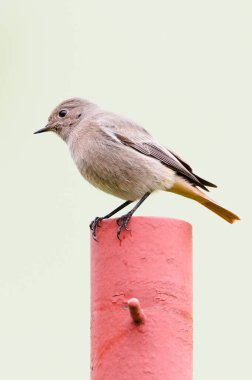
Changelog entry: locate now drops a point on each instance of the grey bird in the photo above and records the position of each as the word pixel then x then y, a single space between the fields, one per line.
pixel 120 157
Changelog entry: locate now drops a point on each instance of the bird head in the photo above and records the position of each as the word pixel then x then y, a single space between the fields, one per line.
pixel 67 115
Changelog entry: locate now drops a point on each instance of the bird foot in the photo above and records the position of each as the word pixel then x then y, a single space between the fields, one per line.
pixel 93 226
pixel 122 222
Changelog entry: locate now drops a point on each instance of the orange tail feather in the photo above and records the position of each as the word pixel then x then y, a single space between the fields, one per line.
pixel 183 188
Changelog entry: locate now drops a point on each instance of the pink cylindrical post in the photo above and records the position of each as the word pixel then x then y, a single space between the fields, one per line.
pixel 141 303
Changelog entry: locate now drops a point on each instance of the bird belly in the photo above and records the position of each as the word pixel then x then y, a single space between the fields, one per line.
pixel 109 184
pixel 129 183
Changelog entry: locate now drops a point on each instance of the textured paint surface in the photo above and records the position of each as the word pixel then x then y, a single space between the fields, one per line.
pixel 153 263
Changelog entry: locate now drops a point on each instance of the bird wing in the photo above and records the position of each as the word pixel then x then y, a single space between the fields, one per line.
pixel 165 156
pixel 203 181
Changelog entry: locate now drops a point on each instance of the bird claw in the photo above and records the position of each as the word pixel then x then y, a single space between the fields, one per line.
pixel 93 226
pixel 122 222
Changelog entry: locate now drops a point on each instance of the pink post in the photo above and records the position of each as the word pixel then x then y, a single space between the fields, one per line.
pixel 142 301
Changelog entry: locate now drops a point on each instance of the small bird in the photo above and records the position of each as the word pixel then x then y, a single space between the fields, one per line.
pixel 121 158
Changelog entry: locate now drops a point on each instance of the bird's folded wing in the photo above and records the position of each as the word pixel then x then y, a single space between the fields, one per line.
pixel 169 159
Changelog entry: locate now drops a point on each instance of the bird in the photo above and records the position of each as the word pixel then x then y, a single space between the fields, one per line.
pixel 122 158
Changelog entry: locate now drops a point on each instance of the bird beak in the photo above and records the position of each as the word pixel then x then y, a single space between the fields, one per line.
pixel 47 128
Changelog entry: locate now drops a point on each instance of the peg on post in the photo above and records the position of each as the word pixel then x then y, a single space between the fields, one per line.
pixel 136 311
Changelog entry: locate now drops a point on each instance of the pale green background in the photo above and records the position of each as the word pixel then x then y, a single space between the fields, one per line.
pixel 183 70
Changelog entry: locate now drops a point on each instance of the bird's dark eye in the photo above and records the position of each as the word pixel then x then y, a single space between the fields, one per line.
pixel 62 113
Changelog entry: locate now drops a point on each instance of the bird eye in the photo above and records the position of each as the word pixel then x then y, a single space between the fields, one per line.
pixel 62 113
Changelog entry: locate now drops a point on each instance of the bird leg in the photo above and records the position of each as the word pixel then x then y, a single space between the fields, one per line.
pixel 124 219
pixel 96 222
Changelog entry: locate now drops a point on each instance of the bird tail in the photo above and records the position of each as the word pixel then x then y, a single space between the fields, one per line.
pixel 229 216
pixel 184 188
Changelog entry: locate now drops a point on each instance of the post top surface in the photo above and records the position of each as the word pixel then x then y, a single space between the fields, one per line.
pixel 142 229
pixel 151 220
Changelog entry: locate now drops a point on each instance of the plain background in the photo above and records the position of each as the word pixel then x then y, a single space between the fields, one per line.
pixel 183 70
